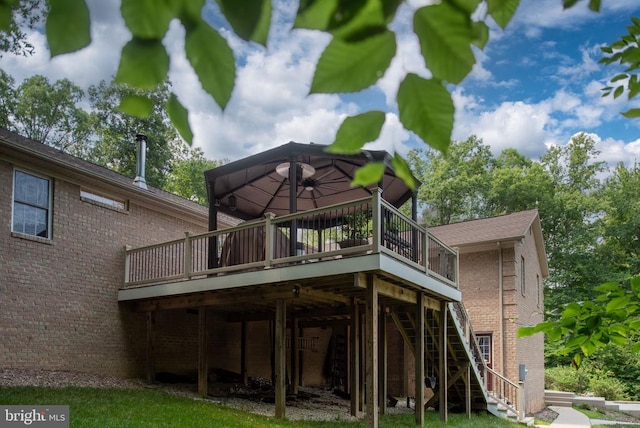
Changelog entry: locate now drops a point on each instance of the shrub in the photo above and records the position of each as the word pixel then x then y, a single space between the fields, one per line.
pixel 603 384
pixel 564 378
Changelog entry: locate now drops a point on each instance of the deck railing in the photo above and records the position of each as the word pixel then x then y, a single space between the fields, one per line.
pixel 364 226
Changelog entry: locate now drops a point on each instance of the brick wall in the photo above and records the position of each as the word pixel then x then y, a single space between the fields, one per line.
pixel 58 299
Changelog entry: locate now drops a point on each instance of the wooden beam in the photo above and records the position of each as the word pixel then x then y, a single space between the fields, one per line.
pixel 467 391
pixel 442 359
pixel 151 346
pixel 382 364
pixel 321 296
pixel 372 352
pixel 419 358
pixel 203 367
pixel 403 332
pixel 280 358
pixel 243 353
pixel 256 294
pixel 460 373
pixel 354 362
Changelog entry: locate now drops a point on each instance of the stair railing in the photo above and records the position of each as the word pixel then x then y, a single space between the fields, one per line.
pixel 508 393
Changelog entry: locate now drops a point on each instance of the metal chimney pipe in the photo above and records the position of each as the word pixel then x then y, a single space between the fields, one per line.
pixel 141 158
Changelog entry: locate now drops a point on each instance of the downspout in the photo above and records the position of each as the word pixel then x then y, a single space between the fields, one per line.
pixel 501 298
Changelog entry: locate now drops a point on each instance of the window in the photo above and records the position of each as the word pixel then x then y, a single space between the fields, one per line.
pixel 484 343
pixel 522 281
pixel 103 200
pixel 31 205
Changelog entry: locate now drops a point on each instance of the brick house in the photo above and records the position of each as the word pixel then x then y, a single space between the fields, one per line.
pixel 502 266
pixel 63 305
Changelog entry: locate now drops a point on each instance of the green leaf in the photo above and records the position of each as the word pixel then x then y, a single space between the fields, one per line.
pixel 480 34
pixel 350 67
pixel 250 19
pixel 526 331
pixel 618 91
pixel 636 347
pixel 143 64
pixel 136 105
pixel 502 10
pixel 576 341
pixel 617 303
pixel 607 287
pixel 588 347
pixel 212 60
pixel 594 5
pixel 568 3
pixel 606 49
pixel 445 35
pixel 635 284
pixel 576 361
pixel 619 77
pixel 468 6
pixel 631 113
pixel 426 108
pixel 403 171
pixel 315 15
pixel 179 118
pixel 571 310
pixel 6 16
pixel 148 19
pixel 368 174
pixel 356 131
pixel 68 26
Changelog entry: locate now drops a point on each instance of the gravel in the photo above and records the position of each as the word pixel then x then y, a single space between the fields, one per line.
pixel 319 403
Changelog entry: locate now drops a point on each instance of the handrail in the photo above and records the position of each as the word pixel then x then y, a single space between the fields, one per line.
pixel 389 231
pixel 509 393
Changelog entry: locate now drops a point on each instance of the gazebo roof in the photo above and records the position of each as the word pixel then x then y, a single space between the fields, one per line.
pixel 261 183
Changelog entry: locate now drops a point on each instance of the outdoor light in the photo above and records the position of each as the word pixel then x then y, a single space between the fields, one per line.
pixel 307 170
pixel 233 202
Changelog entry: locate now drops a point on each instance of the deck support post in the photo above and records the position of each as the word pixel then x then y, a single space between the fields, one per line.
pixel 151 345
pixel 467 391
pixel 382 363
pixel 203 368
pixel 419 357
pixel 243 353
pixel 295 355
pixel 354 361
pixel 442 362
pixel 372 352
pixel 280 358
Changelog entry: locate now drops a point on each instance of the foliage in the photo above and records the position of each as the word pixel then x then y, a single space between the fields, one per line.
pixel 359 53
pixel 7 99
pixel 48 112
pixel 114 132
pixel 626 52
pixel 612 317
pixel 591 380
pixel 151 407
pixel 14 17
pixel 186 178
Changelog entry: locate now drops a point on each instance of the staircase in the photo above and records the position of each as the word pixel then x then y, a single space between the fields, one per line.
pixel 487 389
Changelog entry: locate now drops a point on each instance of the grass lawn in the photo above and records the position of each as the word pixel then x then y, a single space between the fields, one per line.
pixel 115 407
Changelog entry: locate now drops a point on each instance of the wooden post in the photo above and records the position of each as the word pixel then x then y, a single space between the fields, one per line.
pixel 372 351
pixel 442 360
pixel 295 355
pixel 151 345
pixel 382 363
pixel 354 362
pixel 203 368
pixel 419 356
pixel 467 391
pixel 521 402
pixel 187 255
pixel 243 353
pixel 281 358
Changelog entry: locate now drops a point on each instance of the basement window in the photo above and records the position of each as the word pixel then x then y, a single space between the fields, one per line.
pixel 103 200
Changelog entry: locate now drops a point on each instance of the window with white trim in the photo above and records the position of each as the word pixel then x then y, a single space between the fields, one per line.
pixel 31 204
pixel 484 343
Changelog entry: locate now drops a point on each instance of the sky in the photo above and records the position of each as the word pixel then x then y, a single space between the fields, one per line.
pixel 534 85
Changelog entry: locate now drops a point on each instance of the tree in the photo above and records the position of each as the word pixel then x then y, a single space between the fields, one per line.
pixel 186 177
pixel 114 131
pixel 454 186
pixel 14 16
pixel 49 113
pixel 359 53
pixel 7 99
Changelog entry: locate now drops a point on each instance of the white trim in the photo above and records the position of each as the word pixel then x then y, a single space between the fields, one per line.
pixel 49 202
